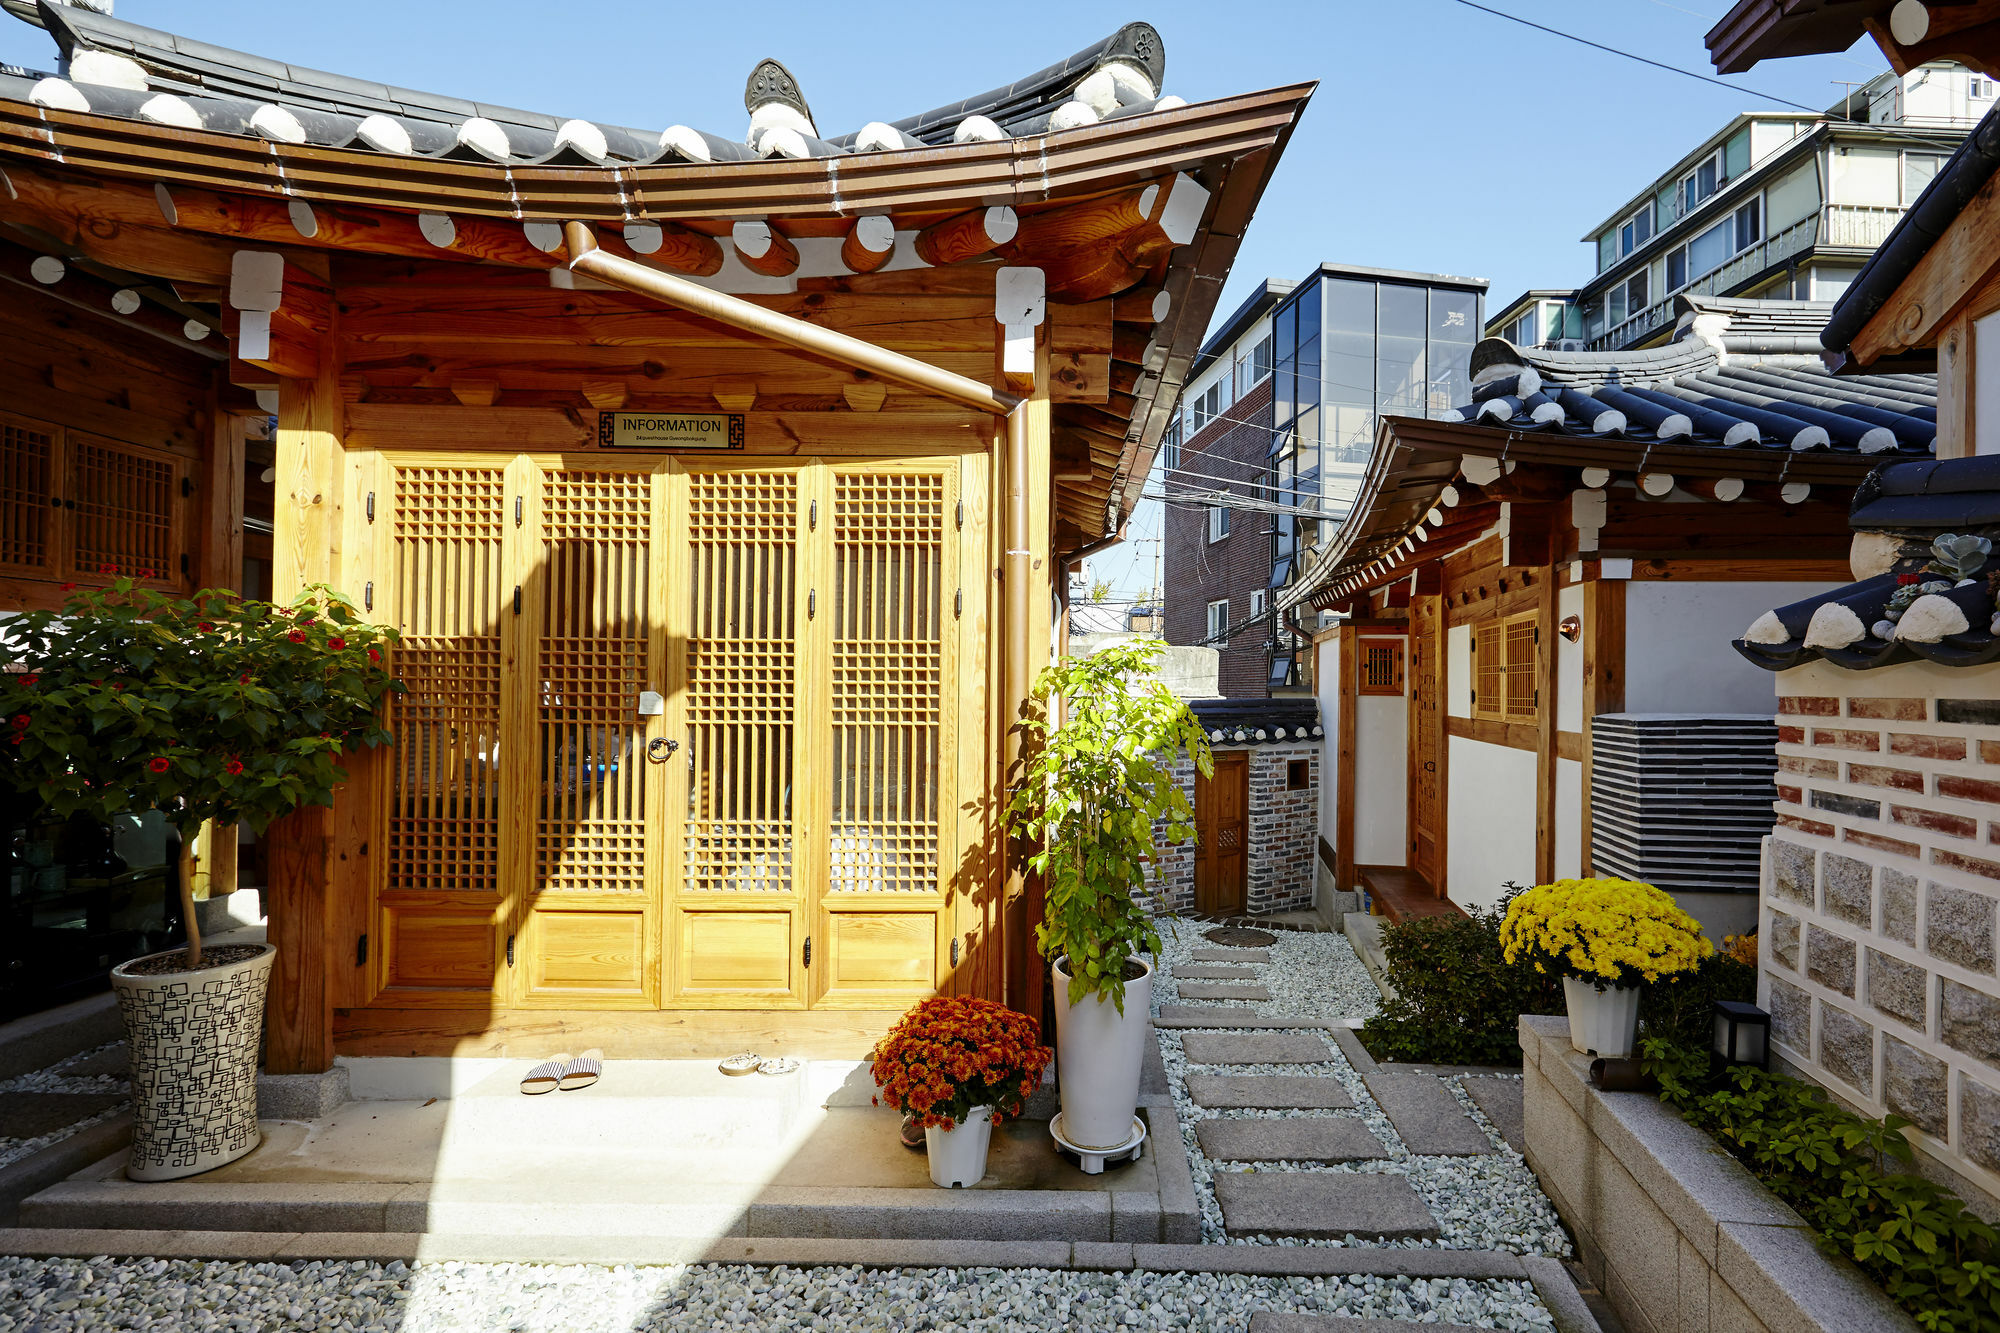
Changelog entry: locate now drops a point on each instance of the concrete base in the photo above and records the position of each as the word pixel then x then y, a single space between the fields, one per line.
pixel 1364 932
pixel 1678 1234
pixel 301 1096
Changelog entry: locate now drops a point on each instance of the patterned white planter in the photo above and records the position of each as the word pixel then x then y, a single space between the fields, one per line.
pixel 1098 1057
pixel 194 1038
pixel 1603 1020
pixel 958 1155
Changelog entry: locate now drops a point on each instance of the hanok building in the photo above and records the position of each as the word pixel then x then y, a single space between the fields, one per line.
pixel 720 487
pixel 1525 683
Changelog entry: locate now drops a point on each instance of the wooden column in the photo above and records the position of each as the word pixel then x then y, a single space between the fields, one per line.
pixel 1545 725
pixel 1343 765
pixel 305 548
pixel 218 500
pixel 1027 571
pixel 1955 420
pixel 1603 673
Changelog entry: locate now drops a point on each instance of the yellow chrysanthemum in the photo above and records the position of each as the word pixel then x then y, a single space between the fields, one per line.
pixel 1611 929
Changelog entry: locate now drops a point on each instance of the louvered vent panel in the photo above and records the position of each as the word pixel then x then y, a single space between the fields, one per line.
pixel 124 519
pixel 1682 801
pixel 26 456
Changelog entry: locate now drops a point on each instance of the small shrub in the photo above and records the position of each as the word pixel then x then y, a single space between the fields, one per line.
pixel 1912 1236
pixel 1458 999
pixel 1681 1007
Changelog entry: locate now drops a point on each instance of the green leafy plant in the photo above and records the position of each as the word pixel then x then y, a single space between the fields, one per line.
pixel 1092 786
pixel 1457 1000
pixel 1913 1237
pixel 212 709
pixel 1681 1005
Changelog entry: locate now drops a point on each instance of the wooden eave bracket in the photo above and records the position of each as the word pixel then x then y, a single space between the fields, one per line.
pixel 1020 305
pixel 275 315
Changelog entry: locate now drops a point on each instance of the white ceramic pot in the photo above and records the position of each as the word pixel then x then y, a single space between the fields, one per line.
pixel 1603 1020
pixel 1098 1056
pixel 194 1039
pixel 958 1154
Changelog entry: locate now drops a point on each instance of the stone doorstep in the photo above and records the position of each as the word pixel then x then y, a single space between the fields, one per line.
pixel 1268 1092
pixel 1326 1139
pixel 59 1161
pixel 1427 1117
pixel 388 1246
pixel 1322 1205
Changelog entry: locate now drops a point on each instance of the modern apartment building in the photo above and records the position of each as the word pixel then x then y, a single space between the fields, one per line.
pixel 1279 415
pixel 1773 204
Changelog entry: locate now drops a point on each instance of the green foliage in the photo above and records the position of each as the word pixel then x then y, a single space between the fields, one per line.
pixel 1091 788
pixel 209 707
pixel 1915 1238
pixel 1457 998
pixel 1681 1005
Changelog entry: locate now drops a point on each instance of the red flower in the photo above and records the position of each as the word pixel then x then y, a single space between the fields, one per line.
pixel 69 587
pixel 142 573
pixel 305 618
pixel 206 627
pixel 297 636
pixel 14 740
pixel 159 764
pixel 244 678
pixel 28 681
pixel 107 569
pixel 20 721
pixel 233 767
pixel 374 655
pixel 336 643
pixel 326 735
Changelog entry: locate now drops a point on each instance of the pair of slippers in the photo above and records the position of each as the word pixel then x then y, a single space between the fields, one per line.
pixel 565 1073
pixel 749 1062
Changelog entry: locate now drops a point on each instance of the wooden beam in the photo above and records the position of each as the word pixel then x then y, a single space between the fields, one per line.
pixel 1344 732
pixel 1956 387
pixel 967 235
pixel 1603 675
pixel 605 395
pixel 736 395
pixel 1545 726
pixel 1939 288
pixel 866 396
pixel 869 243
pixel 764 249
pixel 476 392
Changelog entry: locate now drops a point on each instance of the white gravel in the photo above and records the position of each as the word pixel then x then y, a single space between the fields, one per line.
pixel 58 1295
pixel 53 1079
pixel 1480 1203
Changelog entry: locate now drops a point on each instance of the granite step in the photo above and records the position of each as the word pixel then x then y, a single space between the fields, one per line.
pixel 1269 1092
pixel 1215 972
pixel 1327 1139
pixel 1427 1117
pixel 1214 991
pixel 1322 1205
pixel 1212 955
pixel 1255 1048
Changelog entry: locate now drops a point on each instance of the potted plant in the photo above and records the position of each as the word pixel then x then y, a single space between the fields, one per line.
pixel 1093 792
pixel 213 710
pixel 959 1065
pixel 1605 937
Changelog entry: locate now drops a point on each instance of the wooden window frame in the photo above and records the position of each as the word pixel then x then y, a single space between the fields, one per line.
pixel 1367 680
pixel 1505 690
pixel 61 531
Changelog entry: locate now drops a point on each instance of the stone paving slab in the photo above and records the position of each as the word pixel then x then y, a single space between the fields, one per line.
pixel 29 1115
pixel 1232 955
pixel 1426 1115
pixel 1215 972
pixel 1322 1205
pixel 1326 1261
pixel 1268 1092
pixel 1216 991
pixel 1500 1099
pixel 1274 1321
pixel 1255 1048
pixel 1326 1138
pixel 1224 1016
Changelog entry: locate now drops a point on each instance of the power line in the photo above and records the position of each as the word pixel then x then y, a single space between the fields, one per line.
pixel 1644 60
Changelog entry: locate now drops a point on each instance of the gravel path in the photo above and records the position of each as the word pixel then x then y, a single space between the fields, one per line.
pixel 59 1295
pixel 72 1074
pixel 1481 1203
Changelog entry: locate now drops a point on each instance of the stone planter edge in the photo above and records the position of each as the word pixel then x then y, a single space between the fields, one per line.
pixel 1740 1250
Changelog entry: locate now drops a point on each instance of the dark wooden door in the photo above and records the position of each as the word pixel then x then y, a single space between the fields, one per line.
pixel 1222 835
pixel 1426 740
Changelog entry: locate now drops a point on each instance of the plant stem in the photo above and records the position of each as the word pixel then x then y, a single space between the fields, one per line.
pixel 190 858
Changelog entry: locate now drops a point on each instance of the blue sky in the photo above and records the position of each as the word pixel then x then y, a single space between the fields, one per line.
pixel 1441 138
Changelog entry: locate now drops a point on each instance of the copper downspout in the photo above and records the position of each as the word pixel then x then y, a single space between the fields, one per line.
pixel 586 258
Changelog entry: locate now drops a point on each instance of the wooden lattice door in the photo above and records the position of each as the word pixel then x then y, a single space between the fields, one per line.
pixel 1222 835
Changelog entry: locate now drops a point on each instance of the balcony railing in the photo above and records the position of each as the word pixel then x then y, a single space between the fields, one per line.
pixel 1841 220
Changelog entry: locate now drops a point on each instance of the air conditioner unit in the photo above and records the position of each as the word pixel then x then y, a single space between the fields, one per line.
pixel 1571 345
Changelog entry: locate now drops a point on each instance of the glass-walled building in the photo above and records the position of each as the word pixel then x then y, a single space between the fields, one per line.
pixel 1352 347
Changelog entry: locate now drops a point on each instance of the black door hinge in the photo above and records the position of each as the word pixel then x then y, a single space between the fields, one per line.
pixel 371 506
pixel 361 952
pixel 961 513
pixel 187 487
pixel 368 596
pixel 517 511
pixel 812 602
pixel 510 951
pixel 809 951
pixel 958 603
pixel 954 951
pixel 184 562
pixel 812 516
pixel 517 599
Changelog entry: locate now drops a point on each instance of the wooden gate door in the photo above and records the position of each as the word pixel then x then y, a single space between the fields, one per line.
pixel 1222 835
pixel 1426 740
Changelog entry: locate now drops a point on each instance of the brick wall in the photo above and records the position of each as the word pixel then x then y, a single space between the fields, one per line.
pixel 1196 571
pixel 1881 894
pixel 1284 831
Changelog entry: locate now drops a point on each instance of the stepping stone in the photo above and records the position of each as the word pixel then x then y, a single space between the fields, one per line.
pixel 1273 1321
pixel 1232 955
pixel 1322 1205
pixel 1255 1048
pixel 1500 1098
pixel 1223 1016
pixel 1321 1138
pixel 1426 1115
pixel 1267 1092
pixel 1214 972
pixel 29 1115
pixel 1216 991
pixel 1240 937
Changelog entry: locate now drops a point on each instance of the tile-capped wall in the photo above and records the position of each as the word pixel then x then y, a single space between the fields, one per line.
pixel 1881 910
pixel 1284 833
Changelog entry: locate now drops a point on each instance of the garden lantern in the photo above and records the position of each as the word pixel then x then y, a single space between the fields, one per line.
pixel 1742 1034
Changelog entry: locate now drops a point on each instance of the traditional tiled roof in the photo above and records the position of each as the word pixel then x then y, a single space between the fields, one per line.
pixel 1739 374
pixel 1933 597
pixel 116 68
pixel 1285 720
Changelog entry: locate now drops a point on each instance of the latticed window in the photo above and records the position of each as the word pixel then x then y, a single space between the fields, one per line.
pixel 1380 666
pixel 74 505
pixel 1503 669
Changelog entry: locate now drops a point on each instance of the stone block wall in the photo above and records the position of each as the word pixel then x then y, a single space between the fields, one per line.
pixel 1284 832
pixel 1881 900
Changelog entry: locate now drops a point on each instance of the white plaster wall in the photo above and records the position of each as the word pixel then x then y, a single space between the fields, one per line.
pixel 1381 779
pixel 1986 384
pixel 1866 176
pixel 1569 819
pixel 1492 805
pixel 1677 653
pixel 1569 663
pixel 1458 671
pixel 1326 677
pixel 1793 196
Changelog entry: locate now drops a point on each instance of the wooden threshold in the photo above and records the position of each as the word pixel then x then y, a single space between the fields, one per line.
pixel 1401 894
pixel 645 1034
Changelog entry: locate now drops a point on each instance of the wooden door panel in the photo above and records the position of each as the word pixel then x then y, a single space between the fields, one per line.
pixel 741 957
pixel 580 956
pixel 1222 834
pixel 881 955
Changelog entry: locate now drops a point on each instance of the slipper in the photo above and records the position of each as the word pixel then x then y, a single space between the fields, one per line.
pixel 778 1064
pixel 545 1076
pixel 736 1066
pixel 912 1135
pixel 582 1071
